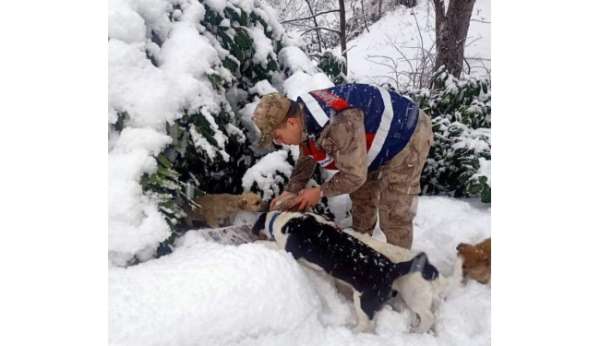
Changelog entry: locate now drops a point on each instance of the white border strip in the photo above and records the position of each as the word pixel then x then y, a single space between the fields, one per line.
pixel 315 109
pixel 326 161
pixel 384 126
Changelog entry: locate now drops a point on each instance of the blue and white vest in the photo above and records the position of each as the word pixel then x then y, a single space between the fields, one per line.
pixel 389 118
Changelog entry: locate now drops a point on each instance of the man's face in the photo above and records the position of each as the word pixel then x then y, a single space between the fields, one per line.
pixel 289 133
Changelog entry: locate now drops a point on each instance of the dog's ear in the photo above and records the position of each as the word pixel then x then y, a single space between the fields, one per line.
pixel 460 247
pixel 259 224
pixel 243 202
pixel 485 257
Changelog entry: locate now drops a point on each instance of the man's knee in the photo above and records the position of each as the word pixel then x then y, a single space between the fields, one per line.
pixel 396 220
pixel 364 217
pixel 364 206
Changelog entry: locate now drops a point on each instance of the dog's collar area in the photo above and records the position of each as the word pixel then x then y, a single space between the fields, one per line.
pixel 270 228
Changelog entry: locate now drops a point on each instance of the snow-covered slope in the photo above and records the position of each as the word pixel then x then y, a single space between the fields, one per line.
pixel 210 294
pixel 394 40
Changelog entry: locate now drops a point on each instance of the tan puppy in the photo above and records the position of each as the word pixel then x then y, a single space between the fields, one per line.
pixel 477 260
pixel 218 210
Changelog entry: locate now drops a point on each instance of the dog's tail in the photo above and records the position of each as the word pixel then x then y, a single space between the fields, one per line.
pixel 446 284
pixel 419 264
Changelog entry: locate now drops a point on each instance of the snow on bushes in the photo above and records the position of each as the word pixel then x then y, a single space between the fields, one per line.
pixel 188 74
pixel 270 174
pixel 182 72
pixel 459 159
pixel 333 66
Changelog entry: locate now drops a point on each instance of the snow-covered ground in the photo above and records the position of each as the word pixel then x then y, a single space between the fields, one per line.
pixel 397 38
pixel 210 294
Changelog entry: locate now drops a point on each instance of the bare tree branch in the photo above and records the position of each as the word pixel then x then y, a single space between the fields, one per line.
pixel 316 26
pixel 310 17
pixel 422 50
pixel 468 65
pixel 300 25
pixel 321 28
pixel 392 66
pixel 473 41
pixel 478 59
pixel 343 38
pixel 362 6
pixel 390 41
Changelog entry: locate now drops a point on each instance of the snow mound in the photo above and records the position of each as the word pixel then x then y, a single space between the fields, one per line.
pixel 209 294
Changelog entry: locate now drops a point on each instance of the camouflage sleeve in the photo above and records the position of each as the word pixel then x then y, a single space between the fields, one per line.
pixel 345 140
pixel 303 170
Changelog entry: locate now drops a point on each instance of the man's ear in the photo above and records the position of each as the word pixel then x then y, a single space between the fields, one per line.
pixel 293 121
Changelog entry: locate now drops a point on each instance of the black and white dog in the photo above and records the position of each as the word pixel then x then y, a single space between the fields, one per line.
pixel 321 245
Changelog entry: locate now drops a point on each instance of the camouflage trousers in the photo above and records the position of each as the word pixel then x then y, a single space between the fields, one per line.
pixel 393 188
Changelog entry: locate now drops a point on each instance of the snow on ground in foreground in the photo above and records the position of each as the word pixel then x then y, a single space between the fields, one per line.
pixel 373 54
pixel 210 294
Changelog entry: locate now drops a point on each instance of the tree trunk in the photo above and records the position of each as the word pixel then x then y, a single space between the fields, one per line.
pixel 316 26
pixel 451 28
pixel 343 34
pixel 364 15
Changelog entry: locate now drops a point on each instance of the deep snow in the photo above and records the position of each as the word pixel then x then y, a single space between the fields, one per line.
pixel 372 55
pixel 210 294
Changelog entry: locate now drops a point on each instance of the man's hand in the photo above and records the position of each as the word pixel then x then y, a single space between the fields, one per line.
pixel 281 197
pixel 308 198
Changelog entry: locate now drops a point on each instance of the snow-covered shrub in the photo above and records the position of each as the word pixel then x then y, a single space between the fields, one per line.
pixel 333 66
pixel 187 74
pixel 459 160
pixel 181 73
pixel 269 176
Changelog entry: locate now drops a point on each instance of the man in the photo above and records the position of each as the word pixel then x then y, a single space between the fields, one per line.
pixel 377 140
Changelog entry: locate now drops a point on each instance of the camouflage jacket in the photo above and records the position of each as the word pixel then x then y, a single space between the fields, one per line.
pixel 344 140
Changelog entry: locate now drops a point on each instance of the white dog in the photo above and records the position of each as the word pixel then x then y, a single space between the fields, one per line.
pixel 375 276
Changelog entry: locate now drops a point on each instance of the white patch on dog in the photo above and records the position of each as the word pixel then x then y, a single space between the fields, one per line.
pixel 419 295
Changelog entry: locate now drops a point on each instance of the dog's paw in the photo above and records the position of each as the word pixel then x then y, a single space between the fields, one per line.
pixel 367 327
